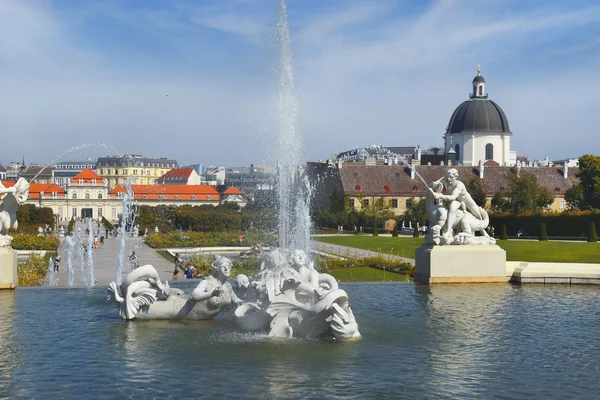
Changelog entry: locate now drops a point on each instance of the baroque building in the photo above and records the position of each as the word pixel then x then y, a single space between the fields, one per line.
pixel 143 170
pixel 478 130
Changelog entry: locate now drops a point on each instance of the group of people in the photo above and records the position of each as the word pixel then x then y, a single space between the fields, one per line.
pixel 189 271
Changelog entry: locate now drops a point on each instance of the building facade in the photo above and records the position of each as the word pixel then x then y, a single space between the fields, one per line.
pixel 179 176
pixel 64 171
pixel 143 170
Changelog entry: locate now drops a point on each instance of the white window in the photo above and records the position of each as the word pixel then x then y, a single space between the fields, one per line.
pixel 99 212
pixel 99 195
pixel 144 197
pixel 60 212
pixel 177 197
pixel 74 196
pixel 209 197
pixel 113 212
pixel 74 211
pixel 87 196
pixel 193 197
pixel 561 205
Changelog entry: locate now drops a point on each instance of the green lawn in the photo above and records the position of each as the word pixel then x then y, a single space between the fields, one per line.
pixel 400 246
pixel 516 250
pixel 366 274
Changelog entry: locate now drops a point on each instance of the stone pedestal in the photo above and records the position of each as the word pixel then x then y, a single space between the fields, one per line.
pixel 460 264
pixel 8 268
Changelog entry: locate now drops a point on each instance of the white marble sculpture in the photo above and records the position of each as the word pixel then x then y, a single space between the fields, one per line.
pixel 454 217
pixel 290 298
pixel 142 295
pixel 13 198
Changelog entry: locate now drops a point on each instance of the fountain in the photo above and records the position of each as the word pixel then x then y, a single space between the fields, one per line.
pixel 288 298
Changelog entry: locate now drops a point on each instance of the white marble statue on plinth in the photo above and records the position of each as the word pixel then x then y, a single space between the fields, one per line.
pixel 13 197
pixel 455 219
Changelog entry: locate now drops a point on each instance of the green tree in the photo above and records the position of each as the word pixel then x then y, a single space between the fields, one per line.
pixel 592 235
pixel 523 195
pixel 415 211
pixel 589 177
pixel 575 198
pixel 543 233
pixel 415 232
pixel 375 231
pixel 476 190
pixel 337 201
pixel 395 230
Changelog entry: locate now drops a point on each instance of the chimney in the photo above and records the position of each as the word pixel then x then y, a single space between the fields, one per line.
pixel 566 171
pixel 481 169
pixel 412 169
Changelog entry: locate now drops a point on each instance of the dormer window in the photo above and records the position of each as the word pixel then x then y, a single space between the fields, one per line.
pixel 193 197
pixel 144 197
pixel 177 197
pixel 209 197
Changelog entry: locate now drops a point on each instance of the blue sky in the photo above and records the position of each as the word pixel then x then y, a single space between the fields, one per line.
pixel 196 80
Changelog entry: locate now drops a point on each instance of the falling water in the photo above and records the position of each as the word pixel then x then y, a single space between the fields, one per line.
pixel 128 219
pixel 89 276
pixel 70 247
pixel 52 278
pixel 80 256
pixel 74 148
pixel 294 220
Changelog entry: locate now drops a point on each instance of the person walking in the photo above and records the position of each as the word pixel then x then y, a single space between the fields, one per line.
pixel 178 262
pixel 95 241
pixel 241 240
pixel 56 262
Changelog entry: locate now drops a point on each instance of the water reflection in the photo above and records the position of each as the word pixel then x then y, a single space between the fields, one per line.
pixel 10 355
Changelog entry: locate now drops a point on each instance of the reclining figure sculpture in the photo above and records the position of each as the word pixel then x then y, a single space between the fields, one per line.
pixel 289 298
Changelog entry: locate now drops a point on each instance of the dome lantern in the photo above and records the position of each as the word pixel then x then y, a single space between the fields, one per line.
pixel 478 86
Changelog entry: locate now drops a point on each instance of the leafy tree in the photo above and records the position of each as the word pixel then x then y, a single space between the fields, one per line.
pixel 415 232
pixel 503 234
pixel 589 177
pixel 523 195
pixel 337 201
pixel 543 233
pixel 575 198
pixel 375 231
pixel 592 236
pixel 415 211
pixel 477 190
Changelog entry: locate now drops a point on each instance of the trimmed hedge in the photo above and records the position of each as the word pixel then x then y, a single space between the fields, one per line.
pixel 574 224
pixel 33 242
pixel 206 239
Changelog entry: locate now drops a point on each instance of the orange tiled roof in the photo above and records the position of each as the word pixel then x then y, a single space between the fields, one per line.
pixel 170 192
pixel 233 190
pixel 35 189
pixel 175 173
pixel 87 175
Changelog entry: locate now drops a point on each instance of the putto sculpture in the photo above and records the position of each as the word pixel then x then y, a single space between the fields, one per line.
pixel 14 197
pixel 288 298
pixel 455 217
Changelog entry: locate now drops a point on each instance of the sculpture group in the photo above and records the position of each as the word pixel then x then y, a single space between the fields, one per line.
pixel 454 217
pixel 14 197
pixel 288 298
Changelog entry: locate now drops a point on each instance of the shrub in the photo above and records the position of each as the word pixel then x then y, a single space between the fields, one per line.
pixel 326 264
pixel 415 232
pixel 503 234
pixel 543 233
pixel 395 231
pixel 33 271
pixel 592 236
pixel 33 242
pixel 206 239
pixel 375 231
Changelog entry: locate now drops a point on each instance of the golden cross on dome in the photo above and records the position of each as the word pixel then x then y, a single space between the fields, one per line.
pixel 478 69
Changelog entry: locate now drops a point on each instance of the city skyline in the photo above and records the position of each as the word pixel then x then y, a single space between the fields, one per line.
pixel 197 82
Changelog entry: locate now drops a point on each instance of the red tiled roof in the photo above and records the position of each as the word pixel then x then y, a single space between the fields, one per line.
pixel 177 174
pixel 170 192
pixel 395 180
pixel 87 175
pixel 233 190
pixel 35 189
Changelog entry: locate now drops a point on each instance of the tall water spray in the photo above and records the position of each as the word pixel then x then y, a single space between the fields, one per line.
pixel 89 277
pixel 128 219
pixel 293 194
pixel 52 276
pixel 70 249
